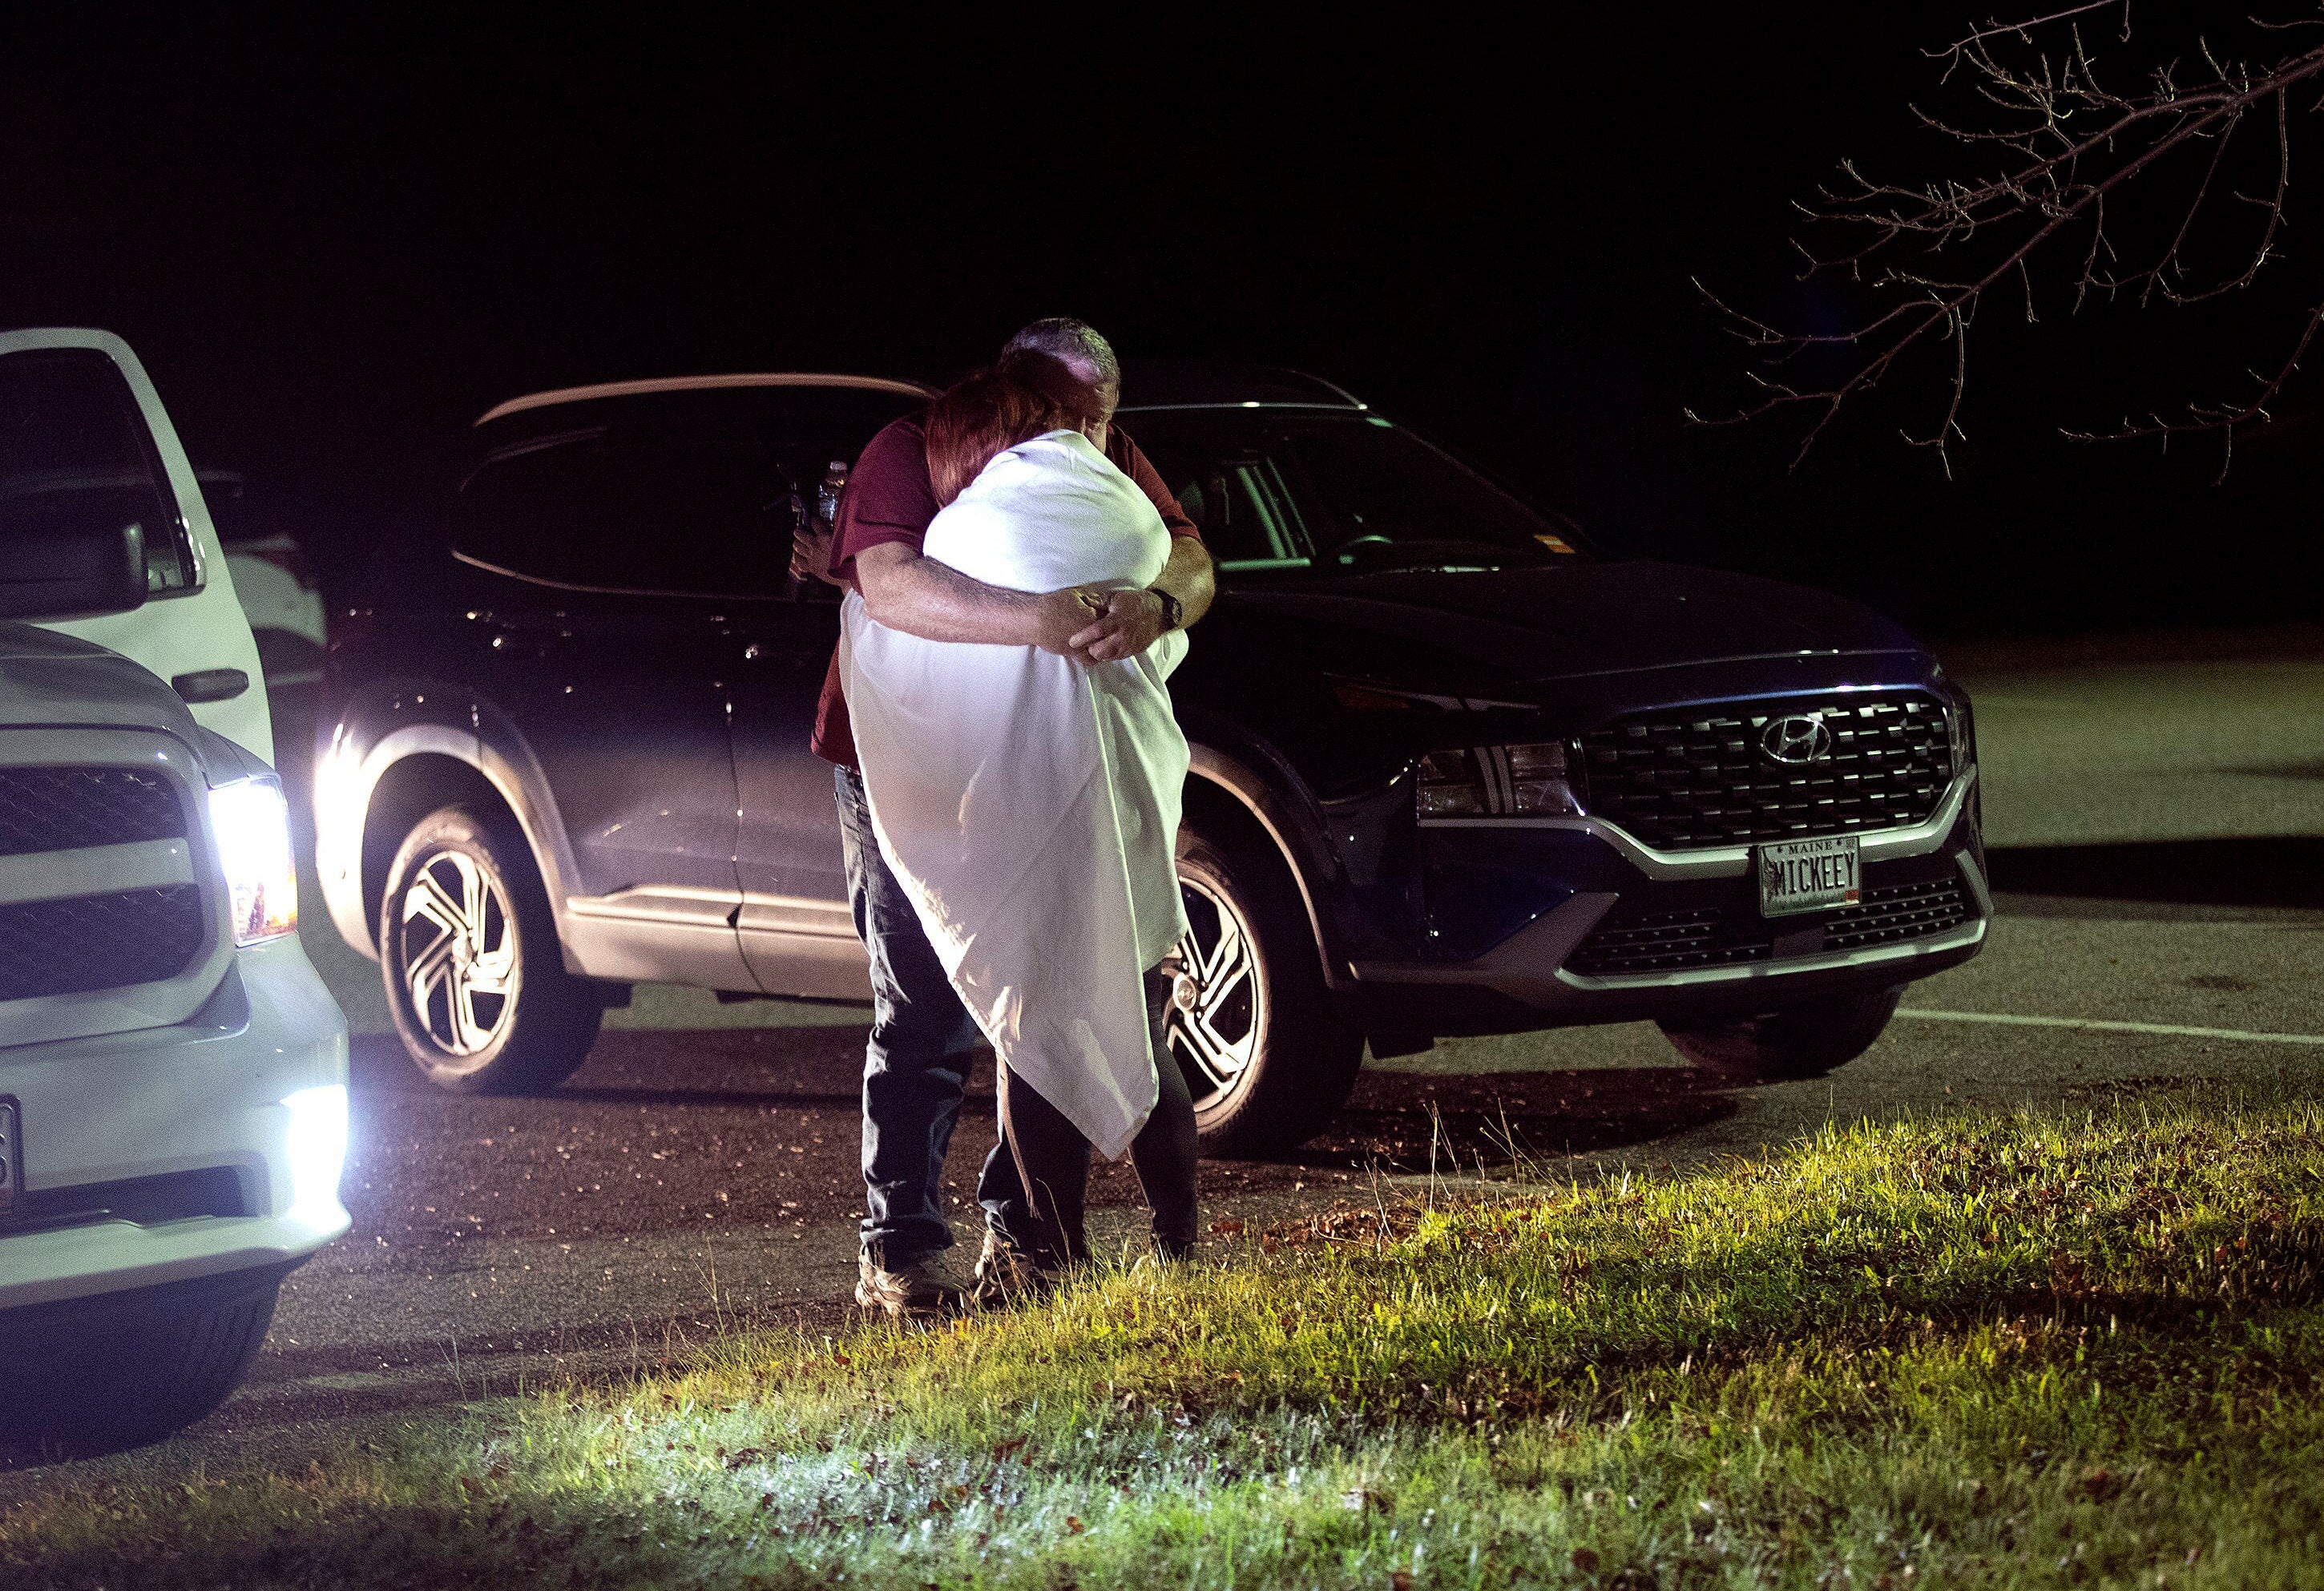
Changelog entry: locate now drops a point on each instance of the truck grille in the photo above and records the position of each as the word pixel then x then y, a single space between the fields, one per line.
pixel 99 941
pixel 1710 936
pixel 106 941
pixel 1687 781
pixel 68 808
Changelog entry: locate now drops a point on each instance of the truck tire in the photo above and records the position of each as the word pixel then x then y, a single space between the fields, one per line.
pixel 144 1367
pixel 1803 1041
pixel 1267 1055
pixel 468 951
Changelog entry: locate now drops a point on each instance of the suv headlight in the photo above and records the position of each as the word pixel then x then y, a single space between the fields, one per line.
pixel 1498 781
pixel 1960 735
pixel 251 825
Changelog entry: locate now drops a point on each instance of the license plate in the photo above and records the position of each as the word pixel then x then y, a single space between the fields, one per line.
pixel 1799 875
pixel 12 1160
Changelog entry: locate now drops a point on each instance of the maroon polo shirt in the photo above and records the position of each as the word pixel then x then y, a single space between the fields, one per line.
pixel 890 498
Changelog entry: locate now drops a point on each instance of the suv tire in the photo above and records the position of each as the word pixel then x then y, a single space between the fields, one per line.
pixel 1803 1041
pixel 154 1365
pixel 1267 1054
pixel 468 951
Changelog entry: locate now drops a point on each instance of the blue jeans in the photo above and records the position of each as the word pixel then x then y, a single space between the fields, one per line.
pixel 915 1065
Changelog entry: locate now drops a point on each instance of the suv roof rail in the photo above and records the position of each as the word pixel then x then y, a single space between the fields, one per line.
pixel 1204 383
pixel 684 383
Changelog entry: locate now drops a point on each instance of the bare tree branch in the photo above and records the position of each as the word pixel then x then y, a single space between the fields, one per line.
pixel 2138 178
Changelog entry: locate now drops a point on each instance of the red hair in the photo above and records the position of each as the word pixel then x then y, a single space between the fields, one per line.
pixel 979 418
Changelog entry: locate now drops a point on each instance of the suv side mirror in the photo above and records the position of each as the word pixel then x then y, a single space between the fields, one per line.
pixel 72 572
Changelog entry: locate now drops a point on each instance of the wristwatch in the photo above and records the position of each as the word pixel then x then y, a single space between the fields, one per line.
pixel 1173 612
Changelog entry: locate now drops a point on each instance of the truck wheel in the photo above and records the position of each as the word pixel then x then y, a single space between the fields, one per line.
pixel 1803 1041
pixel 158 1367
pixel 470 954
pixel 1269 1056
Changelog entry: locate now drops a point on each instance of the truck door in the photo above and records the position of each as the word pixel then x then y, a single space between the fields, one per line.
pixel 80 410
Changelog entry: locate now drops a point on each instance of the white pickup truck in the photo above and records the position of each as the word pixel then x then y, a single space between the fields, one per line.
pixel 173 1101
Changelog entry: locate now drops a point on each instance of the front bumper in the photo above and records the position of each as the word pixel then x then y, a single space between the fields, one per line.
pixel 168 1154
pixel 1589 876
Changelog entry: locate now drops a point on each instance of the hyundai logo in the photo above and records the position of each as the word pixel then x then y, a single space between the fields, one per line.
pixel 1798 739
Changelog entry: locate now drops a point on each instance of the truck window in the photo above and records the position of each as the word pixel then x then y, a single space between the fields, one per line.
pixel 74 450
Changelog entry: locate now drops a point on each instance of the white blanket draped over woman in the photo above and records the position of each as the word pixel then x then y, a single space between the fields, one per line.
pixel 1030 802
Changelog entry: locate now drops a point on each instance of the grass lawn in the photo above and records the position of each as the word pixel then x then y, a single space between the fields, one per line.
pixel 2080 1347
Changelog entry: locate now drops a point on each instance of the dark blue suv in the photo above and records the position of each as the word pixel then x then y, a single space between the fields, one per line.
pixel 1453 774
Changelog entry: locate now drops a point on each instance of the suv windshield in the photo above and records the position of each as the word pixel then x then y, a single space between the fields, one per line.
pixel 1343 493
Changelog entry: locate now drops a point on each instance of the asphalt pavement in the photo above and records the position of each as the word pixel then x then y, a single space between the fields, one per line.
pixel 2156 810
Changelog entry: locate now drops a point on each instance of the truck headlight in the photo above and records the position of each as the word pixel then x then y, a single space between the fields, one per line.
pixel 252 827
pixel 316 1145
pixel 1497 781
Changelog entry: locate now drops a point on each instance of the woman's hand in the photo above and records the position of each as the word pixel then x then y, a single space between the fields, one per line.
pixel 1127 625
pixel 811 551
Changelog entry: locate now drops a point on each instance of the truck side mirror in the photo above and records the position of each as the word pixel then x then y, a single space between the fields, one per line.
pixel 71 570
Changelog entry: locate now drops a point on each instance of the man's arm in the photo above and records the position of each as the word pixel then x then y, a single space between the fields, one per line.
pixel 1134 620
pixel 936 602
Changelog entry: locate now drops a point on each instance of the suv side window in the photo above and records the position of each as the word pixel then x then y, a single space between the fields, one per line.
pixel 1248 515
pixel 74 448
pixel 649 509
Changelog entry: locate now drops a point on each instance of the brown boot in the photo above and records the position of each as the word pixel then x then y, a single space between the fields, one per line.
pixel 1006 1274
pixel 915 1287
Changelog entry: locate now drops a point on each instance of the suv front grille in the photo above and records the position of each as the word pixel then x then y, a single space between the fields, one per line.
pixel 1667 941
pixel 99 941
pixel 1903 912
pixel 1687 781
pixel 1674 941
pixel 68 808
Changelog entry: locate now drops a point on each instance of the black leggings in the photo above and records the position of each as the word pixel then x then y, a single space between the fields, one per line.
pixel 1055 1158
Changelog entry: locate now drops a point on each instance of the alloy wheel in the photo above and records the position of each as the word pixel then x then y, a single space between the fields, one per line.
pixel 1218 1003
pixel 459 953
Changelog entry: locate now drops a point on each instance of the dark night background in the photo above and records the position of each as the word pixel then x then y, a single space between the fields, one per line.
pixel 336 241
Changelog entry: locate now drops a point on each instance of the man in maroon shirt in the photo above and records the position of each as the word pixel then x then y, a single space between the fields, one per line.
pixel 916 1065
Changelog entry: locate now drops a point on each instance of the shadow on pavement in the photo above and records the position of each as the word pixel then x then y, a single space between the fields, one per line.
pixel 2274 870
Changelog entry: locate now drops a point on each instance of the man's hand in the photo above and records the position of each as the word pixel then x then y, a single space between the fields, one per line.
pixel 1131 621
pixel 1061 616
pixel 811 551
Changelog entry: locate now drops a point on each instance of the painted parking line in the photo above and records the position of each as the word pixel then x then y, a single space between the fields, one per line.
pixel 2092 1025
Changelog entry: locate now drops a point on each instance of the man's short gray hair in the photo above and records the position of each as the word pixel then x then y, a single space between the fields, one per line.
pixel 1076 342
